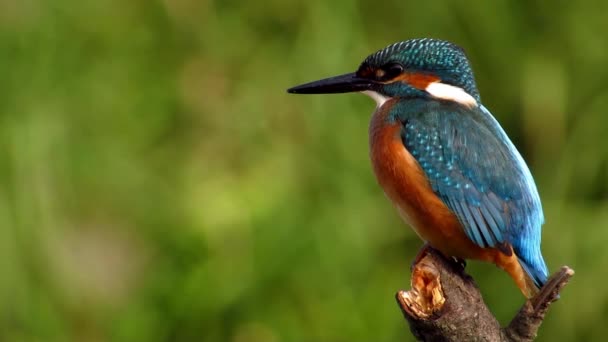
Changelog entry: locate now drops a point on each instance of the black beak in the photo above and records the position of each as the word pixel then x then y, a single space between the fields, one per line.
pixel 346 83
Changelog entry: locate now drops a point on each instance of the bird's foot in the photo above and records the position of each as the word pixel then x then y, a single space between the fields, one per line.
pixel 460 263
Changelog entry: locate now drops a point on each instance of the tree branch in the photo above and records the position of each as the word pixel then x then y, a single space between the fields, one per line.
pixel 445 304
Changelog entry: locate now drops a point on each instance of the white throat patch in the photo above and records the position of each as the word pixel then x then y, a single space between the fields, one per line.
pixel 436 89
pixel 452 93
pixel 379 98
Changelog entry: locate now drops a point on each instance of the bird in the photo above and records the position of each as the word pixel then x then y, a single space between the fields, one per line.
pixel 444 161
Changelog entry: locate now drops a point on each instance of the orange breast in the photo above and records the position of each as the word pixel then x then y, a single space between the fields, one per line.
pixel 406 185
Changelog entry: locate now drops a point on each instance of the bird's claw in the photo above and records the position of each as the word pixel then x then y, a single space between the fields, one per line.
pixel 460 263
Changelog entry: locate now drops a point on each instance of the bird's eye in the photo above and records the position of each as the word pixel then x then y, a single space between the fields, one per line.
pixel 392 70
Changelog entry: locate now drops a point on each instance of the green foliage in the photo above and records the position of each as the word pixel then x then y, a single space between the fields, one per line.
pixel 158 184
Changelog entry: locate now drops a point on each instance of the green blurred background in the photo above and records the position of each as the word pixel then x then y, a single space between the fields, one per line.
pixel 158 184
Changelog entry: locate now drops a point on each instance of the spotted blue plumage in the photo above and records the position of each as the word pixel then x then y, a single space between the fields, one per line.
pixel 474 168
pixel 471 164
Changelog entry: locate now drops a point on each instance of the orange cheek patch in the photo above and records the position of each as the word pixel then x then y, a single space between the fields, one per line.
pixel 417 80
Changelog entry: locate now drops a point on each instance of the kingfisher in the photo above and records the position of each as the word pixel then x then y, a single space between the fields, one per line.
pixel 444 161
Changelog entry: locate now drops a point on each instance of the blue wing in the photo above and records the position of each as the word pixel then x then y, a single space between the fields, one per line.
pixel 477 172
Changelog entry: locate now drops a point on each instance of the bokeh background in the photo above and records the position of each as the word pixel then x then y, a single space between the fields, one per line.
pixel 158 184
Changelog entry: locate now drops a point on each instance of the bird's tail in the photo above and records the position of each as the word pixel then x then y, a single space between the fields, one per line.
pixel 529 279
pixel 536 272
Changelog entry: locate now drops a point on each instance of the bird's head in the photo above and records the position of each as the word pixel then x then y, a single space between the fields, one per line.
pixel 413 68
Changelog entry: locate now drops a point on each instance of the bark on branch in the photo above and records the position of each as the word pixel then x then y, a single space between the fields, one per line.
pixel 445 304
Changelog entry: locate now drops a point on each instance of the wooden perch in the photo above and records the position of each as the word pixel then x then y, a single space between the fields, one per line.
pixel 445 304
